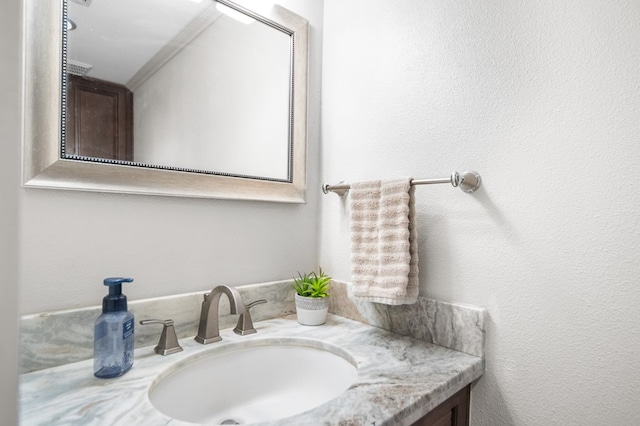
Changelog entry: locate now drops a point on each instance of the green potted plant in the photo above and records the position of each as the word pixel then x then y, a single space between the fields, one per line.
pixel 312 292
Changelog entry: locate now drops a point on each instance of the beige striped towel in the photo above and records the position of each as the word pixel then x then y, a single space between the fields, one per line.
pixel 384 247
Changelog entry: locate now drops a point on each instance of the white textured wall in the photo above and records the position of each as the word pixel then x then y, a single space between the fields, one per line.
pixel 70 241
pixel 542 98
pixel 9 183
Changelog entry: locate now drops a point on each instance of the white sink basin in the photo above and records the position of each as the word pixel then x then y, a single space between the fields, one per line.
pixel 257 380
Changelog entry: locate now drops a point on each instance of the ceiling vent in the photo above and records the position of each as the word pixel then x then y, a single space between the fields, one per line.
pixel 82 2
pixel 78 68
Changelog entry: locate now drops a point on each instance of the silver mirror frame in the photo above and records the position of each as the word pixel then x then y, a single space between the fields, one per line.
pixel 42 136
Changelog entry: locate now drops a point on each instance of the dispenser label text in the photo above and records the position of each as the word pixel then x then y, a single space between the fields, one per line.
pixel 127 329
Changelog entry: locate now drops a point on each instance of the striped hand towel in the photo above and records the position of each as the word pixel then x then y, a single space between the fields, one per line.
pixel 384 247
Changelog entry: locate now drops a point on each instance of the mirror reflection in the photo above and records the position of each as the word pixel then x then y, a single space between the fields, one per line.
pixel 180 84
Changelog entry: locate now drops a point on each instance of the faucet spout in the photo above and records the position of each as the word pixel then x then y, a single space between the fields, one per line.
pixel 209 327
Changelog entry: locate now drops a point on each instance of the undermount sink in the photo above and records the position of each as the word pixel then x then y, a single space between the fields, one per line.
pixel 253 381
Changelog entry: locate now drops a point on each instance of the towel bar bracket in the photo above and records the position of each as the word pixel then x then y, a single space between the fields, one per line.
pixel 467 181
pixel 341 188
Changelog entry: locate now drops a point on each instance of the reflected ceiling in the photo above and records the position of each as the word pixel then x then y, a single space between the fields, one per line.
pixel 116 45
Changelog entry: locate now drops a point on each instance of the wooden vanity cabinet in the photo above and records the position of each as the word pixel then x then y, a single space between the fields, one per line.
pixel 453 412
pixel 99 119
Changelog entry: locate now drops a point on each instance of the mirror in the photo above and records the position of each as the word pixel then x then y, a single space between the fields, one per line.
pixel 197 102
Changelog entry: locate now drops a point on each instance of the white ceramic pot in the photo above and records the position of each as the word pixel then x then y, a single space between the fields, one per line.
pixel 311 310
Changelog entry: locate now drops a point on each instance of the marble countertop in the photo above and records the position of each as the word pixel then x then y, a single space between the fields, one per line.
pixel 399 380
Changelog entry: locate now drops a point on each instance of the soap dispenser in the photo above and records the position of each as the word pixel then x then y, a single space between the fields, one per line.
pixel 113 342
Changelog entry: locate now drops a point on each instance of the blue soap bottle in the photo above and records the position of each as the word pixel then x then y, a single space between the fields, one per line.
pixel 113 342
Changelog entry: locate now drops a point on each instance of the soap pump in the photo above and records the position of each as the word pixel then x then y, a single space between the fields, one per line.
pixel 113 343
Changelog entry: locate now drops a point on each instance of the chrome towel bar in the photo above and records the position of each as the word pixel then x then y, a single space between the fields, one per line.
pixel 468 181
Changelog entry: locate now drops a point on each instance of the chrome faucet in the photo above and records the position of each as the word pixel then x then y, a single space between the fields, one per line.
pixel 209 327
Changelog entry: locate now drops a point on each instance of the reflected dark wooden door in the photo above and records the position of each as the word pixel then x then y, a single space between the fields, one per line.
pixel 99 119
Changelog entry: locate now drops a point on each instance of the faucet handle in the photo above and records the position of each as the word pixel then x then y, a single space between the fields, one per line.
pixel 245 324
pixel 168 343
